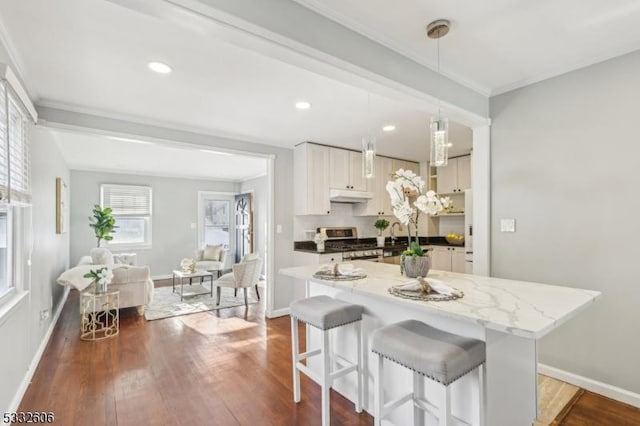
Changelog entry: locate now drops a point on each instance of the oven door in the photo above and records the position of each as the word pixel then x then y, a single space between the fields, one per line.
pixel 372 258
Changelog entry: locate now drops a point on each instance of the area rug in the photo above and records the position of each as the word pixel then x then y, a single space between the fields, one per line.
pixel 167 304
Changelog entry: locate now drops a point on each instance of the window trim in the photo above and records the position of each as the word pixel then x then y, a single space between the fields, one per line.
pixel 148 240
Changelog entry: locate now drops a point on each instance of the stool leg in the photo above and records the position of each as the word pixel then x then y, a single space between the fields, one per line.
pixel 481 392
pixel 294 351
pixel 445 408
pixel 326 379
pixel 379 396
pixel 359 371
pixel 418 393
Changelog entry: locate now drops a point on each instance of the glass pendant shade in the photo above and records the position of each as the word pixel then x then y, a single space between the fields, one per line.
pixel 439 141
pixel 368 157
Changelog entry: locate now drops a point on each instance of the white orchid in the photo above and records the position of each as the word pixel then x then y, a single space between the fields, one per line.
pixel 102 276
pixel 408 198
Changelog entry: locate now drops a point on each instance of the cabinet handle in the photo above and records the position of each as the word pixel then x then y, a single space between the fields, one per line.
pixel 328 211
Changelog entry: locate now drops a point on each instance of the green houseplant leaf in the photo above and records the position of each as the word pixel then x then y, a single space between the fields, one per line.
pixel 103 223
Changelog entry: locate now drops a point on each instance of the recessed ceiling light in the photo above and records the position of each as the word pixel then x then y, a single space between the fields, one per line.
pixel 389 128
pixel 449 145
pixel 303 105
pixel 159 67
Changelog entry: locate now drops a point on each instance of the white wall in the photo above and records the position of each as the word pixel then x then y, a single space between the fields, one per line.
pixel 565 156
pixel 259 188
pixel 175 208
pixel 21 329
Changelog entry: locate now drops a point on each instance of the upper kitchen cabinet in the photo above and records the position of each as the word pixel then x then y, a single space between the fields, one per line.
pixel 311 179
pixel 406 165
pixel 380 205
pixel 345 170
pixel 455 176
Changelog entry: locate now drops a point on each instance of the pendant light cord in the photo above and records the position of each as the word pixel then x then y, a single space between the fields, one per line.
pixel 438 49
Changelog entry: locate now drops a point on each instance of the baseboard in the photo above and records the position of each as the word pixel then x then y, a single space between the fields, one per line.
pixel 594 386
pixel 162 277
pixel 15 403
pixel 277 313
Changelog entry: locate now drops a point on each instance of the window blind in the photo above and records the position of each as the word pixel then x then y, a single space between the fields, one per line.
pixel 127 200
pixel 15 167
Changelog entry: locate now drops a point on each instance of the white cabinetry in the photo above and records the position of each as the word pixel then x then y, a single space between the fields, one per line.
pixel 444 258
pixel 301 258
pixel 311 179
pixel 345 170
pixel 380 204
pixel 455 176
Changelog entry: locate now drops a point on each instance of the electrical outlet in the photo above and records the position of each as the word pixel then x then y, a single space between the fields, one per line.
pixel 278 229
pixel 44 315
pixel 507 225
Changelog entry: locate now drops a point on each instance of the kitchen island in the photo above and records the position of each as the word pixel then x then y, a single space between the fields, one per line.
pixel 510 316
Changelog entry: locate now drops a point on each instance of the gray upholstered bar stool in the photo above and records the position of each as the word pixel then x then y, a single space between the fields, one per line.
pixel 325 313
pixel 429 352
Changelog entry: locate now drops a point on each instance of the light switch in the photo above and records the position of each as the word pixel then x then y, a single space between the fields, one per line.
pixel 507 225
pixel 193 226
pixel 278 229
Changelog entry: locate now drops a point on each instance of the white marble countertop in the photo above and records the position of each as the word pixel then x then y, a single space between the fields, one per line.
pixel 520 308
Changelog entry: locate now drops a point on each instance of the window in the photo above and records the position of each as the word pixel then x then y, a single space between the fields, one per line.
pixel 214 219
pixel 15 191
pixel 131 207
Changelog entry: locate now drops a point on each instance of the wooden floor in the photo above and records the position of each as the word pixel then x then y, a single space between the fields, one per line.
pixel 226 367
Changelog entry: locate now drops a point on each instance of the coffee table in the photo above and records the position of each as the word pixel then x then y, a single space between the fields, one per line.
pixel 180 275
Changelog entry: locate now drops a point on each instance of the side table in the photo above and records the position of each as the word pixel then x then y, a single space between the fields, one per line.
pixel 100 315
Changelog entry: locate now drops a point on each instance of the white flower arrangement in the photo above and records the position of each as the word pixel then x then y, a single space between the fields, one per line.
pixel 408 199
pixel 102 276
pixel 319 238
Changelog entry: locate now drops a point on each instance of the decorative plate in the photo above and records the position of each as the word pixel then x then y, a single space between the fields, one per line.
pixel 329 276
pixel 428 297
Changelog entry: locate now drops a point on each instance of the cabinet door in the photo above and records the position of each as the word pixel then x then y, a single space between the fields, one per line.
pixel 318 180
pixel 339 168
pixel 356 180
pixel 441 258
pixel 398 164
pixel 385 167
pixel 457 260
pixel 464 173
pixel 448 177
pixel 329 258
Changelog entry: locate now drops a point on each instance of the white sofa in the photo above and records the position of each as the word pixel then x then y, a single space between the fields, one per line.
pixel 133 282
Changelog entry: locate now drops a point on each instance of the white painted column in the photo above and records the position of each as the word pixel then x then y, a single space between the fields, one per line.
pixel 481 178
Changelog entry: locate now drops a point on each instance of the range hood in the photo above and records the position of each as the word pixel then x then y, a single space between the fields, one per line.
pixel 349 196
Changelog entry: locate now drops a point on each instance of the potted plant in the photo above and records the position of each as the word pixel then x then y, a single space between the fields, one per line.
pixel 103 223
pixel 408 200
pixel 381 225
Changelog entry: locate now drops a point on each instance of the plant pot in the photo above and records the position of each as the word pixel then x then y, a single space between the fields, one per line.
pixel 380 241
pixel 416 266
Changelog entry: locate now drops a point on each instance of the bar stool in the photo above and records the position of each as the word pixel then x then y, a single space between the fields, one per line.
pixel 429 352
pixel 325 313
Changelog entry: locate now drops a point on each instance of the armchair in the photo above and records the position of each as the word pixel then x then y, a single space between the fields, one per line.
pixel 209 264
pixel 244 275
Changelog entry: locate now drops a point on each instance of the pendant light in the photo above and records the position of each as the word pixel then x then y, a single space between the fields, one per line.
pixel 439 126
pixel 368 148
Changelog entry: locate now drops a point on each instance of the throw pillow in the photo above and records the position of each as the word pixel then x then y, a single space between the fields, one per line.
pixel 101 256
pixel 212 253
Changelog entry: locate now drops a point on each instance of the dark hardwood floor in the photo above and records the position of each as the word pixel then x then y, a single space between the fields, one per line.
pixel 226 367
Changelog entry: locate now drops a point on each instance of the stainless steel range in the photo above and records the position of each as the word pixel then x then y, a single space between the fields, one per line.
pixel 346 241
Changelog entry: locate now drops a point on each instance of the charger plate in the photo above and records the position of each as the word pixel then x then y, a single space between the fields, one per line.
pixel 329 276
pixel 427 297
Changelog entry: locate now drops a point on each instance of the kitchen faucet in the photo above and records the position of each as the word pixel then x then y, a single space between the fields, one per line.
pixel 393 235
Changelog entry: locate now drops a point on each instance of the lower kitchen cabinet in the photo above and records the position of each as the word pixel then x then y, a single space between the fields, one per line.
pixel 446 258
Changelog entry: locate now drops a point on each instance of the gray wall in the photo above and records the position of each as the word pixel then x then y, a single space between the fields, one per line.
pixel 284 288
pixel 175 208
pixel 565 156
pixel 21 330
pixel 260 204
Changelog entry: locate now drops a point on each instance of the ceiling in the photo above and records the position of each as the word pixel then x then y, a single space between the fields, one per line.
pixel 496 45
pixel 92 55
pixel 153 158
